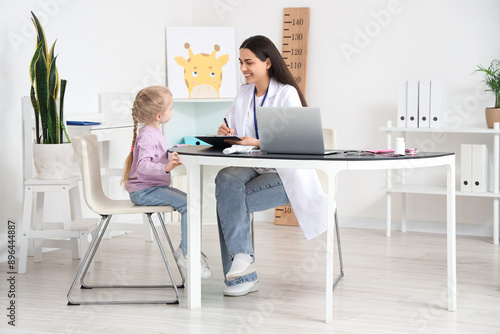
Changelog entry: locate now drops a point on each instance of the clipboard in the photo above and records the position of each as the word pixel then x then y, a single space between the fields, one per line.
pixel 217 140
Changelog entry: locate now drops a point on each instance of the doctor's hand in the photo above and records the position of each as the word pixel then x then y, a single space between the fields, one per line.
pixel 225 131
pixel 247 141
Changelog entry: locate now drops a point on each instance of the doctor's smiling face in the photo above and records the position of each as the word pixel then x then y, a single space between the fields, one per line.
pixel 253 68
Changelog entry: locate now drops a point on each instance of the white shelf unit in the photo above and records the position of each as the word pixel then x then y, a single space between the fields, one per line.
pixel 404 189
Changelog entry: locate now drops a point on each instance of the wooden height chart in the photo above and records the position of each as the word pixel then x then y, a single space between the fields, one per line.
pixel 295 43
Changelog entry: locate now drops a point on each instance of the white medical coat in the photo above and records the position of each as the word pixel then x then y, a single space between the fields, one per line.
pixel 302 186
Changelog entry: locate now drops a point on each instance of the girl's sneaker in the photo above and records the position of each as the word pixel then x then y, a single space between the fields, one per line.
pixel 181 260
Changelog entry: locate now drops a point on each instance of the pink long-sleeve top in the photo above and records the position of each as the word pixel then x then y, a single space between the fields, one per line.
pixel 150 159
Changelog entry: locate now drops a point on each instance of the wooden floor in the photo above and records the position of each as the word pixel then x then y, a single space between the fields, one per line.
pixel 391 285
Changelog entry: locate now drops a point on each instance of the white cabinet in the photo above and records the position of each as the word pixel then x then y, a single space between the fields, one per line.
pixel 404 188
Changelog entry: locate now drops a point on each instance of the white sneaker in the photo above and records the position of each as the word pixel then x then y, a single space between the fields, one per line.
pixel 241 289
pixel 240 268
pixel 206 273
pixel 181 260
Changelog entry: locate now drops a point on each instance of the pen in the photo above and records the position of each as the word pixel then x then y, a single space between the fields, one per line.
pixel 225 121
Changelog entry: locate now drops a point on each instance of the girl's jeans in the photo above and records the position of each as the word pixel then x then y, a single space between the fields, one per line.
pixel 165 195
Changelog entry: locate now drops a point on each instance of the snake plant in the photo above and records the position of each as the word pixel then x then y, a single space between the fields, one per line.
pixel 45 89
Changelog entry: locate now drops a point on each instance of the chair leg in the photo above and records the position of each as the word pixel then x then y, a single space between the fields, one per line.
pixel 162 222
pixel 339 246
pixel 87 260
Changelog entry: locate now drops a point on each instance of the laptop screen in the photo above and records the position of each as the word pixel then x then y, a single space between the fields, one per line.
pixel 294 130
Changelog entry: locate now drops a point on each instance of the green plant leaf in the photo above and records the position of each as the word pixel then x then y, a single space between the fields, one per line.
pixel 492 79
pixel 53 122
pixel 61 109
pixel 52 77
pixel 33 62
pixel 40 34
pixel 42 93
pixel 36 109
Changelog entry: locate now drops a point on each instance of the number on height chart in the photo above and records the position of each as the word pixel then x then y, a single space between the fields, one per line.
pixel 297 37
pixel 298 22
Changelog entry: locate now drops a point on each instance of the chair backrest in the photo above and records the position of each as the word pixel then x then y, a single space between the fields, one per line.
pixel 87 152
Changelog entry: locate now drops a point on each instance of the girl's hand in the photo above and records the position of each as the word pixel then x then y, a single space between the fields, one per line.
pixel 247 141
pixel 172 162
pixel 223 130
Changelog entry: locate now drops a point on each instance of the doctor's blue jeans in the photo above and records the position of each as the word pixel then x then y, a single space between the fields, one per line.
pixel 240 191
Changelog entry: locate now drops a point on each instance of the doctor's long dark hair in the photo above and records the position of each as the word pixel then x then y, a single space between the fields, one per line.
pixel 264 48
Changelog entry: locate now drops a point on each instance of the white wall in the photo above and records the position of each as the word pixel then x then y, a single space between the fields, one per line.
pixel 118 46
pixel 358 51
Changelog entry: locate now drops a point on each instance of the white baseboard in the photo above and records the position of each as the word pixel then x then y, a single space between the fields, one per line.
pixel 416 226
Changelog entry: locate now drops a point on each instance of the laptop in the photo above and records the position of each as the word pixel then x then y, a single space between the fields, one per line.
pixel 292 130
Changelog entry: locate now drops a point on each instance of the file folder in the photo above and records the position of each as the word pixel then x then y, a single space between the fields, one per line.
pixel 424 103
pixel 479 168
pixel 437 100
pixel 466 168
pixel 412 104
pixel 402 91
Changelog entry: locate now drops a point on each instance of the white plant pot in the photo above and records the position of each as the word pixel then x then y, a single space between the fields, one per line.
pixel 53 161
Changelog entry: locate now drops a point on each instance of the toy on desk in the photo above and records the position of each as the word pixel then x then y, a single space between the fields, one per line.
pixel 239 149
pixel 191 140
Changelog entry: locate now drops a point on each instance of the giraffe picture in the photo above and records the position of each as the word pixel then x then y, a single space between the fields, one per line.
pixel 201 62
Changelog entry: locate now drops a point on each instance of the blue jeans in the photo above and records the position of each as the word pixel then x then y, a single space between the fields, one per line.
pixel 157 196
pixel 239 191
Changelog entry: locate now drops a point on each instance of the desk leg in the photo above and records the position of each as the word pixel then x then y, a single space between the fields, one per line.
pixel 388 197
pixel 194 235
pixel 451 238
pixel 329 249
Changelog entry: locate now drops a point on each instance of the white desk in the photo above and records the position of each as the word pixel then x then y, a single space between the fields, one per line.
pixel 195 157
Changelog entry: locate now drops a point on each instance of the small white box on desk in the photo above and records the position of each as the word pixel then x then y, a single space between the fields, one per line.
pixel 402 91
pixel 466 168
pixel 424 103
pixel 479 168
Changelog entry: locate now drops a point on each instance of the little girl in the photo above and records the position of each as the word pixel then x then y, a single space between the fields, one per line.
pixel 147 168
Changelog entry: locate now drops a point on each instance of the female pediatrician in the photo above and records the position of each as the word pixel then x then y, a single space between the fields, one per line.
pixel 241 191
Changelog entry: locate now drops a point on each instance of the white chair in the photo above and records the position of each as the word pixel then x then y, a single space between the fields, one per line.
pixel 86 149
pixel 72 230
pixel 330 142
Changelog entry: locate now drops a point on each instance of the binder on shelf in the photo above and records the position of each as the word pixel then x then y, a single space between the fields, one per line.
pixel 402 91
pixel 424 100
pixel 479 168
pixel 436 107
pixel 466 168
pixel 412 104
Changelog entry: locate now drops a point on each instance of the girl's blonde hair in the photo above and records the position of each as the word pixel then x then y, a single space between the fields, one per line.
pixel 149 102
